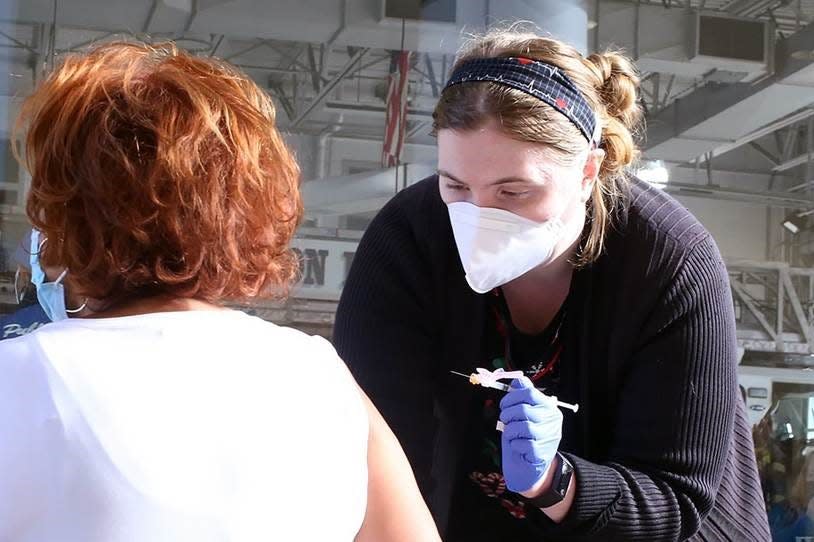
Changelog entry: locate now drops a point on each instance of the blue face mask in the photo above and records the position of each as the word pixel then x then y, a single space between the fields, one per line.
pixel 51 295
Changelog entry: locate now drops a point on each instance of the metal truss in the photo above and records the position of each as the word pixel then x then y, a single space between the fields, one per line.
pixel 774 306
pixel 658 90
pixel 301 76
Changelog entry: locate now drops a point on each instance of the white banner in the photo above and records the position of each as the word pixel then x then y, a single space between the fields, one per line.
pixel 324 266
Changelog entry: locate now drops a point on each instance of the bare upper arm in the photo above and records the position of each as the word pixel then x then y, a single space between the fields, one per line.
pixel 395 508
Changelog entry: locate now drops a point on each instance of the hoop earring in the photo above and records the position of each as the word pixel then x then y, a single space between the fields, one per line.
pixel 80 309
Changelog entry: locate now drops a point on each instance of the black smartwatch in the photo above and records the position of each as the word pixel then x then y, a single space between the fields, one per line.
pixel 559 484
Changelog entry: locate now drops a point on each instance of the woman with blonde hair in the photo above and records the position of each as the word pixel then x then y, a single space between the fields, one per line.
pixel 147 411
pixel 535 252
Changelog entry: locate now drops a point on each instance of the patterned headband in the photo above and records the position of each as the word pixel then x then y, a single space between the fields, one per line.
pixel 543 81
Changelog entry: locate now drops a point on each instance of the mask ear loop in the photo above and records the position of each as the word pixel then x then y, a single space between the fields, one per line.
pixel 593 144
pixel 596 137
pixel 17 286
pixel 59 279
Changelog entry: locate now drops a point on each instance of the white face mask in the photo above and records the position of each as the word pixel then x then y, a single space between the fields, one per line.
pixel 497 246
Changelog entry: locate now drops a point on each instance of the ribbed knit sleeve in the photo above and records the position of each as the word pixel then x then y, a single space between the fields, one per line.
pixel 673 423
pixel 383 331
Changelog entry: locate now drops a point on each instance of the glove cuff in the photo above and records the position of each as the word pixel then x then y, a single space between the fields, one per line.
pixel 559 484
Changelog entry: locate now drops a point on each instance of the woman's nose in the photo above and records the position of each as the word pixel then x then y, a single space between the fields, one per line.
pixel 480 199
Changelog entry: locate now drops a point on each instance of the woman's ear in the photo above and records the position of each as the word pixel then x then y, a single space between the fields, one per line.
pixel 590 173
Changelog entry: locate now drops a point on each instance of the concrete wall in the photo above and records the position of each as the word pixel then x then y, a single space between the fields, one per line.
pixel 739 229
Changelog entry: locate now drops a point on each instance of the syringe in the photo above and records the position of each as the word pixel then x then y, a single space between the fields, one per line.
pixel 473 379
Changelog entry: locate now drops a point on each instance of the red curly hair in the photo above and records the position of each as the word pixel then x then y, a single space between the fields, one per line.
pixel 158 172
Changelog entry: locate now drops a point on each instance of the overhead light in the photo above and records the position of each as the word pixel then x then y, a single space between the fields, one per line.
pixel 654 173
pixel 794 223
pixel 592 24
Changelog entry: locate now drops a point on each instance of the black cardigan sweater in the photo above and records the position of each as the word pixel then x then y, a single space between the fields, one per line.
pixel 661 444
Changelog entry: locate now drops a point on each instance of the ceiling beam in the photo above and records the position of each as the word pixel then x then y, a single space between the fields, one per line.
pixel 774 199
pixel 375 109
pixel 794 162
pixel 150 14
pixel 766 130
pixel 772 159
pixel 328 87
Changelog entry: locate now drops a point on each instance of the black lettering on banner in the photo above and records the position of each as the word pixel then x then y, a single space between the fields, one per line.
pixel 300 261
pixel 315 266
pixel 348 259
pixel 312 266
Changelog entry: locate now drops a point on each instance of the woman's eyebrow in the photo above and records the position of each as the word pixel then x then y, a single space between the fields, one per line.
pixel 504 180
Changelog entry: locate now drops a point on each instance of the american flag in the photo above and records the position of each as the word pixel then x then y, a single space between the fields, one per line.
pixel 396 120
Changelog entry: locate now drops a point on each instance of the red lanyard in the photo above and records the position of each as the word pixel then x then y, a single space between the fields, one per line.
pixel 499 310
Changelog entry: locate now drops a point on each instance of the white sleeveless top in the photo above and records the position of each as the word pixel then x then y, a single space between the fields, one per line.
pixel 187 426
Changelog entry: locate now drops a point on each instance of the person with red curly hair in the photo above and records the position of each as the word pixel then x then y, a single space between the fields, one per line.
pixel 161 189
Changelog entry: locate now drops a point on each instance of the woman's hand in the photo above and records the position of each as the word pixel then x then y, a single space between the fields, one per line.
pixel 531 435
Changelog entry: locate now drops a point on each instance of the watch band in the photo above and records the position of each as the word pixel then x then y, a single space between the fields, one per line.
pixel 559 484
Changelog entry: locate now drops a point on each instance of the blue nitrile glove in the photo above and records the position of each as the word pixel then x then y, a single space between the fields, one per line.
pixel 531 434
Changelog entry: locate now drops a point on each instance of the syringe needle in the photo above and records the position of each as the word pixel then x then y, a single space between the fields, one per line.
pixel 505 387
